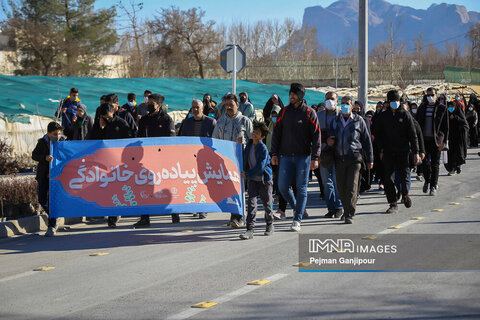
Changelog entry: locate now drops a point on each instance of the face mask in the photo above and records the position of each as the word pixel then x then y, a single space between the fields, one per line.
pixel 145 99
pixel 211 115
pixel 242 99
pixel 430 99
pixel 330 104
pixel 131 103
pixel 414 111
pixel 190 116
pixel 345 108
pixel 53 139
pixel 151 108
pixel 394 105
pixel 471 109
pixel 274 119
pixel 451 109
pixel 356 111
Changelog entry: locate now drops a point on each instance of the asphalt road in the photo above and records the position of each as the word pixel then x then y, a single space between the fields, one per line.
pixel 160 272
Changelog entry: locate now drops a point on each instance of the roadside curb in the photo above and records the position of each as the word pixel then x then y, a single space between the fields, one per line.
pixel 32 224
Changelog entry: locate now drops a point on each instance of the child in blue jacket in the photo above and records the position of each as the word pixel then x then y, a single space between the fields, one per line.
pixel 258 172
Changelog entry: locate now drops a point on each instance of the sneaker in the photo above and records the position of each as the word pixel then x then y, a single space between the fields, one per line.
pixel 381 187
pixel 342 218
pixel 295 226
pixel 269 230
pixel 348 220
pixel 330 214
pixel 407 201
pixel 420 178
pixel 247 235
pixel 451 173
pixel 142 223
pixel 433 191
pixel 235 224
pixel 50 232
pixel 338 212
pixel 393 209
pixel 425 187
pixel 202 216
pixel 305 215
pixel 459 170
pixel 278 215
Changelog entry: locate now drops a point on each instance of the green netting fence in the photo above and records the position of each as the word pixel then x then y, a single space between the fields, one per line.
pixel 38 95
pixel 462 75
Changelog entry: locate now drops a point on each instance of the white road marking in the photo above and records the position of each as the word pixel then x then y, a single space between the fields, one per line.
pixel 18 276
pixel 225 298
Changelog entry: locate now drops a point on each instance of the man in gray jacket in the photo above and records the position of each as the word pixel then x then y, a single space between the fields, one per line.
pixel 350 138
pixel 233 126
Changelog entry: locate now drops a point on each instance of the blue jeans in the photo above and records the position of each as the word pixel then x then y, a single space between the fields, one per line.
pixel 298 168
pixel 330 188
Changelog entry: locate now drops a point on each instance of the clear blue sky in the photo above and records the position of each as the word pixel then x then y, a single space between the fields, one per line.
pixel 227 11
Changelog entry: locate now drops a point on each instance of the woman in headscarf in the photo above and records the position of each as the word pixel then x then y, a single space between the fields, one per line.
pixel 267 110
pixel 457 138
pixel 472 120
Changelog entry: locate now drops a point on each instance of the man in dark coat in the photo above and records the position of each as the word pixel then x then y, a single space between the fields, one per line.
pixel 157 123
pixel 41 154
pixel 433 119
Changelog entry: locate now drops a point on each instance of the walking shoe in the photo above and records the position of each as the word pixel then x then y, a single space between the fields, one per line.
pixel 451 173
pixel 202 216
pixel 305 215
pixel 425 187
pixel 459 170
pixel 235 224
pixel 295 226
pixel 247 235
pixel 175 218
pixel 433 191
pixel 142 223
pixel 269 230
pixel 381 187
pixel 330 214
pixel 348 220
pixel 420 178
pixel 50 232
pixel 112 222
pixel 278 215
pixel 338 212
pixel 393 209
pixel 407 201
pixel 342 218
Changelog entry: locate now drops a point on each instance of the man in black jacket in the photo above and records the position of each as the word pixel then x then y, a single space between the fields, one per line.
pixel 157 123
pixel 396 135
pixel 110 126
pixel 433 119
pixel 296 144
pixel 41 153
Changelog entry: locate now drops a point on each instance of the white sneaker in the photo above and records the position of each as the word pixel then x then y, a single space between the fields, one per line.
pixel 295 226
pixel 279 215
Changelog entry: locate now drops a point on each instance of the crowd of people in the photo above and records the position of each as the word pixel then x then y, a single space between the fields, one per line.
pixel 346 148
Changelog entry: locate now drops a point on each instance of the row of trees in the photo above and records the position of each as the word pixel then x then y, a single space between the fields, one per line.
pixel 68 38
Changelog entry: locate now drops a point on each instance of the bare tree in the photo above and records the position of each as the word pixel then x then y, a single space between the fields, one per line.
pixel 185 29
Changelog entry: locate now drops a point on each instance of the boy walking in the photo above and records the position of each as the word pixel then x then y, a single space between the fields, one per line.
pixel 41 153
pixel 258 172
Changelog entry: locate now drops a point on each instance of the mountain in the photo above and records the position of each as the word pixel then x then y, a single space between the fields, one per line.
pixel 337 24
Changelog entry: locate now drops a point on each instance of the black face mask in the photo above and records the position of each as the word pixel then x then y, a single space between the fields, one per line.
pixel 243 99
pixel 355 111
pixel 151 108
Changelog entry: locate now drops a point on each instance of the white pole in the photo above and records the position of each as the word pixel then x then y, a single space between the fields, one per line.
pixel 234 72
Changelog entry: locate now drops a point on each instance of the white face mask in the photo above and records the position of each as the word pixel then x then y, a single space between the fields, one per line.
pixel 330 104
pixel 430 99
pixel 145 99
pixel 414 111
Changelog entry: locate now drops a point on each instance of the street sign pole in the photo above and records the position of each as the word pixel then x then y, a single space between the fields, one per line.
pixel 234 72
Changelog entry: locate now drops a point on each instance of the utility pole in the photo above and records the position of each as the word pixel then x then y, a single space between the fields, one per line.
pixel 363 53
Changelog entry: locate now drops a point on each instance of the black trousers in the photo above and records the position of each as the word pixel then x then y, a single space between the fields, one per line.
pixel 431 164
pixel 43 189
pixel 392 162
